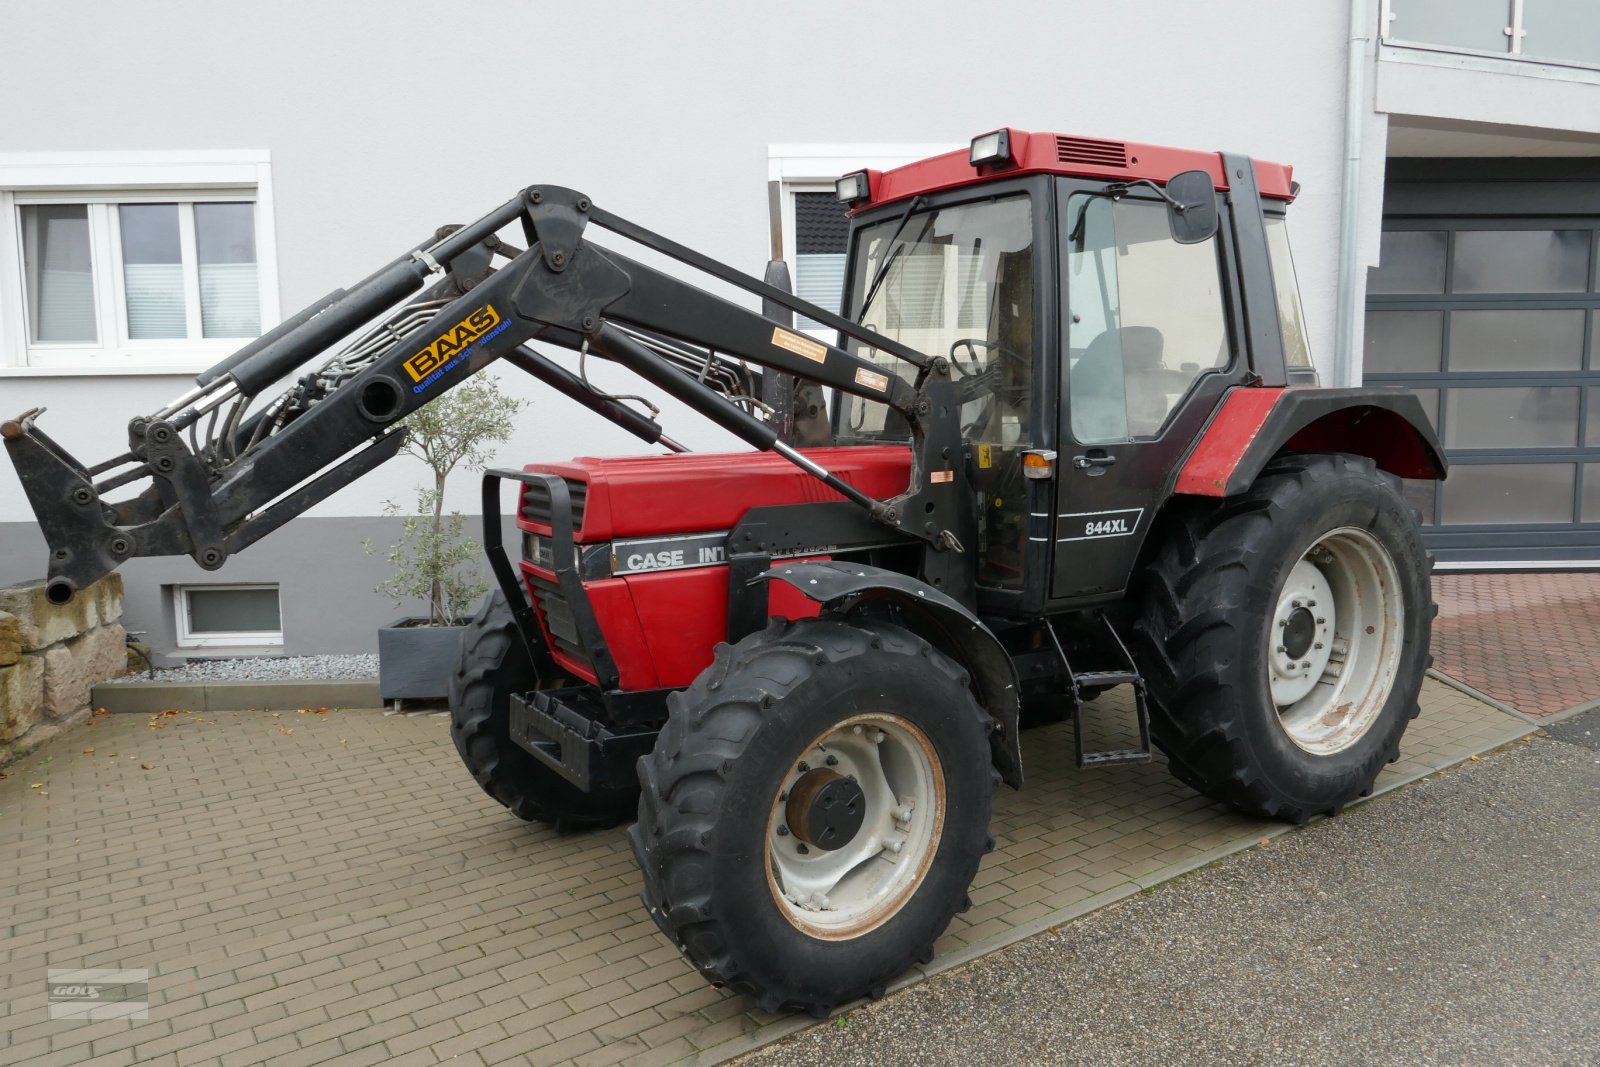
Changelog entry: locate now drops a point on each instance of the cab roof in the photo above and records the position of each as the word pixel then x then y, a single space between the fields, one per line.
pixel 1056 153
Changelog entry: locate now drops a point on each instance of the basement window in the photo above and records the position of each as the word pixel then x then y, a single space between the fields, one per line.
pixel 228 615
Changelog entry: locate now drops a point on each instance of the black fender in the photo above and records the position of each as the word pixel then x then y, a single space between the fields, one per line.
pixel 851 588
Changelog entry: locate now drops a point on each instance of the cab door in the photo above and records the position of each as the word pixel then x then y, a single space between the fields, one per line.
pixel 1149 352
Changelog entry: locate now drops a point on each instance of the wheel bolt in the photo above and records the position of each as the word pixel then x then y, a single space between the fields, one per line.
pixel 804 766
pixel 1321 621
pixel 1311 603
pixel 1297 604
pixel 783 831
pixel 1317 645
pixel 1282 623
pixel 1306 664
pixel 801 848
pixel 1281 649
pixel 832 761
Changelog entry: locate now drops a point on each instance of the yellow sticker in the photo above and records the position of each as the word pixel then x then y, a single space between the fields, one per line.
pixel 800 346
pixel 985 456
pixel 872 379
pixel 452 343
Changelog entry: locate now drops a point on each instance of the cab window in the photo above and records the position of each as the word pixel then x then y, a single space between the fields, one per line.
pixel 1144 317
pixel 955 281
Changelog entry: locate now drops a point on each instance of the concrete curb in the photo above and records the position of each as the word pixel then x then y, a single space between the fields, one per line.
pixel 766 1035
pixel 1477 694
pixel 147 697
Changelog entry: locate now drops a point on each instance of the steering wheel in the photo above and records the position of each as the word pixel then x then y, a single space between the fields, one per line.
pixel 972 344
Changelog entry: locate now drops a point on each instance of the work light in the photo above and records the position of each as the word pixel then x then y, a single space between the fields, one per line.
pixel 991 149
pixel 853 187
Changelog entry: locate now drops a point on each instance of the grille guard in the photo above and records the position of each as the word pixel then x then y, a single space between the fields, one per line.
pixel 591 641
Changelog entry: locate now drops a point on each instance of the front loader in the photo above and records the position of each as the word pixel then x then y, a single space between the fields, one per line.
pixel 1074 442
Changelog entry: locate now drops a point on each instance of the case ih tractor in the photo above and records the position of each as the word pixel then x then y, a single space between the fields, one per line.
pixel 1074 441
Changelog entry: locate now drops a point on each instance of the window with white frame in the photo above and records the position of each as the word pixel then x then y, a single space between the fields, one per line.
pixel 227 615
pixel 813 222
pixel 139 264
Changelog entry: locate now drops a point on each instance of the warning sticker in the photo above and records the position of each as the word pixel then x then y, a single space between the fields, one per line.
pixel 800 346
pixel 872 379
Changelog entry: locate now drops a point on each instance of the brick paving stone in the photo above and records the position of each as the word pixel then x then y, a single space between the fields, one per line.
pixel 1523 639
pixel 302 901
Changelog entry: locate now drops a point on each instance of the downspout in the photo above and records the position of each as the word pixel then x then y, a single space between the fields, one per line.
pixel 1344 357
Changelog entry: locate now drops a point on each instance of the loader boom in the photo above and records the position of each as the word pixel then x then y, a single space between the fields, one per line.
pixel 208 499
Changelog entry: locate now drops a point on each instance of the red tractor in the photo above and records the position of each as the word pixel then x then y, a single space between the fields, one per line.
pixel 1074 441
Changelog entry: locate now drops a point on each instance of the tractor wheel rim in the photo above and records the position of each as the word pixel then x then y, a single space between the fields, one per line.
pixel 1334 643
pixel 846 891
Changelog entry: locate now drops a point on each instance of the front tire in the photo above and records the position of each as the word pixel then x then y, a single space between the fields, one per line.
pixel 492 663
pixel 815 810
pixel 1284 635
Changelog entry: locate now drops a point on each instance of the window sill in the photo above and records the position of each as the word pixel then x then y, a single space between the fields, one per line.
pixel 114 368
pixel 213 652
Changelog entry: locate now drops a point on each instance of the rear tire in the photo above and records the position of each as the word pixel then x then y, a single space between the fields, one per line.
pixel 854 703
pixel 1284 636
pixel 491 665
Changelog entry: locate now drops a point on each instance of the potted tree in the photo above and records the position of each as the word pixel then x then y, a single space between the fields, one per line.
pixel 434 561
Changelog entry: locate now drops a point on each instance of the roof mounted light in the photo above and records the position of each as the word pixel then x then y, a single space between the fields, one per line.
pixel 853 188
pixel 991 149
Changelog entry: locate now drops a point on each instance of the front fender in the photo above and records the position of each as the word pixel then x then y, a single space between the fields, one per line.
pixel 851 588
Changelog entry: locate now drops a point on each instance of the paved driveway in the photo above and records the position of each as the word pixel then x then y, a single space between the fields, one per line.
pixel 332 888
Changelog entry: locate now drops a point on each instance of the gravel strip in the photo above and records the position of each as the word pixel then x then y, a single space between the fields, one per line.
pixel 264 669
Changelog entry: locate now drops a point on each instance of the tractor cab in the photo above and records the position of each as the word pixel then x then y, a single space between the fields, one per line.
pixel 1090 299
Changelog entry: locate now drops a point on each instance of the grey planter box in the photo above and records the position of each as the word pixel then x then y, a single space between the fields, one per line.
pixel 415 661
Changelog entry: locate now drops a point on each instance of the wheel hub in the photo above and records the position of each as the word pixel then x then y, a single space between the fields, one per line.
pixel 1298 634
pixel 825 809
pixel 1301 639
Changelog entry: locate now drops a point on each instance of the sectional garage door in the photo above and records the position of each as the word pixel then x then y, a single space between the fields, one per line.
pixel 1487 305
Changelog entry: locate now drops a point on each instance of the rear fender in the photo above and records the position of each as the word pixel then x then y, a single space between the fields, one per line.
pixel 1254 424
pixel 854 589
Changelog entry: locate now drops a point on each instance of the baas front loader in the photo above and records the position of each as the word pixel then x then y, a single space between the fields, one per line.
pixel 1073 441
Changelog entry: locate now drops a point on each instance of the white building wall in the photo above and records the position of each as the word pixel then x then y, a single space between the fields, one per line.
pixel 385 119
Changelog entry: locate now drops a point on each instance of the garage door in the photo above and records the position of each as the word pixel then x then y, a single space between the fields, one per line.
pixel 1492 320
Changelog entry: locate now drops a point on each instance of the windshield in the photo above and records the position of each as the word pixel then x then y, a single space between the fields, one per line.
pixel 956 282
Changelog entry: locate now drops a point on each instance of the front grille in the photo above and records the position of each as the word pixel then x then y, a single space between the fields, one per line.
pixel 1093 152
pixel 558 618
pixel 536 502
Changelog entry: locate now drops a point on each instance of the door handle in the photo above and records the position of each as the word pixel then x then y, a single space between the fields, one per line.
pixel 1093 459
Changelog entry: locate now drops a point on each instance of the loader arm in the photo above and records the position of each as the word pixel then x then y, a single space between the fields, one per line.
pixel 208 498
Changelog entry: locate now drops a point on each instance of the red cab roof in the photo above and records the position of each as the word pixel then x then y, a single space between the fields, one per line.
pixel 1055 153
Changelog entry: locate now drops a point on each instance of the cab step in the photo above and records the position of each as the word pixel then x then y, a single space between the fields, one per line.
pixel 1084 684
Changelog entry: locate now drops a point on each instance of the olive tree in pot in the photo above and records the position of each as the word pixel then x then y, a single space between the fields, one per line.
pixel 434 560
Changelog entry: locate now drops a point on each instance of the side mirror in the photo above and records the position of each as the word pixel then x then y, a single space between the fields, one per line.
pixel 1191 207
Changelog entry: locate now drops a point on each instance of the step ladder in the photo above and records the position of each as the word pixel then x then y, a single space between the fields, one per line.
pixel 1084 684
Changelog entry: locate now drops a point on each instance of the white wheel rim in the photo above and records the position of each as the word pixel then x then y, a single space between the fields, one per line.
pixel 846 892
pixel 1334 643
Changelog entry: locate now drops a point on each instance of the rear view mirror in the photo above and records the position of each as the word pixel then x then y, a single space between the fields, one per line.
pixel 1192 207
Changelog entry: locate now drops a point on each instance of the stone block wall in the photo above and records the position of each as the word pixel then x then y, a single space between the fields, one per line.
pixel 51 657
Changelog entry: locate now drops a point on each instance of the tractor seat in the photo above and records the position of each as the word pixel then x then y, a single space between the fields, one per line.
pixel 1118 385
